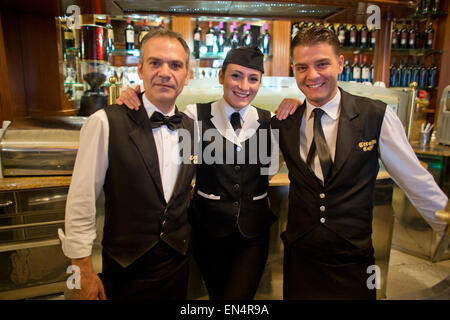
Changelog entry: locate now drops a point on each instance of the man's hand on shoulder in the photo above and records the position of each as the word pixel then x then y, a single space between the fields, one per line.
pixel 129 98
pixel 287 107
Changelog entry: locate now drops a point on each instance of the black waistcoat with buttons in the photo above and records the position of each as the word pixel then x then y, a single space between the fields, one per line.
pixel 342 208
pixel 241 187
pixel 136 214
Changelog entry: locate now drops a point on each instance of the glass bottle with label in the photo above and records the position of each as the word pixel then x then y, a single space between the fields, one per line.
pixel 221 37
pixel 423 75
pixel 393 74
pixel 295 29
pixel 331 27
pixel 197 39
pixel 395 35
pixel 412 37
pixel 145 29
pixel 365 70
pixel 248 37
pixel 432 70
pixel 373 37
pixel 110 33
pixel 266 39
pixel 342 30
pixel 364 37
pixel 234 36
pixel 404 36
pixel 353 36
pixel 129 35
pixel 429 36
pixel 69 40
pixel 356 70
pixel 209 38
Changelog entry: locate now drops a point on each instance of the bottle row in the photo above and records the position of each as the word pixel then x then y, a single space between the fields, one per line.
pixel 357 72
pixel 409 37
pixel 425 7
pixel 217 40
pixel 403 74
pixel 349 35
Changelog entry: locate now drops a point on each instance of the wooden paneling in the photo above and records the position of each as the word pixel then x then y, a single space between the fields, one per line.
pixel 281 44
pixel 382 54
pixel 184 26
pixel 443 41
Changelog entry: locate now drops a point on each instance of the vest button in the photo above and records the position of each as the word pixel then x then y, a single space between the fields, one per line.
pixel 322 208
pixel 236 186
pixel 322 220
pixel 236 204
pixel 322 195
pixel 237 168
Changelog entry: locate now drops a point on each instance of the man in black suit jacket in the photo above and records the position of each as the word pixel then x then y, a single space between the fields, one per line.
pixel 331 145
pixel 133 156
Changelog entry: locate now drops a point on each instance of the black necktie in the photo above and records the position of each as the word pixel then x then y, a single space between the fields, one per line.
pixel 319 144
pixel 235 121
pixel 158 119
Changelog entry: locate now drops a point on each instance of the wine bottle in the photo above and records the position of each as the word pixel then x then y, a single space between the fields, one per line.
pixel 364 37
pixel 304 25
pixel 129 35
pixel 234 36
pixel 365 71
pixel 404 74
pixel 435 7
pixel 295 28
pixel 432 75
pixel 419 8
pixel 371 70
pixel 429 36
pixel 209 38
pixel 331 27
pixel 145 29
pixel 341 32
pixel 69 40
pixel 395 36
pixel 414 72
pixel 426 4
pixel 221 37
pixel 197 39
pixel 393 74
pixel 373 37
pixel 248 37
pixel 110 34
pixel 266 39
pixel 423 75
pixel 347 73
pixel 353 36
pixel 404 36
pixel 412 37
pixel 356 70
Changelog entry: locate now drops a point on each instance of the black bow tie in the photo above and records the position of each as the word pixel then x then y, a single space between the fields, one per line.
pixel 158 119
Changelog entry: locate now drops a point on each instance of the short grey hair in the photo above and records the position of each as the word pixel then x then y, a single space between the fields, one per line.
pixel 163 32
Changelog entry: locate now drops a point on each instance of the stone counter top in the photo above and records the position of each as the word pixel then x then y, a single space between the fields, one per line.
pixel 21 183
pixel 434 148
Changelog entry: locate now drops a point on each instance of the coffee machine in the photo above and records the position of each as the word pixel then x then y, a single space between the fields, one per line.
pixel 443 120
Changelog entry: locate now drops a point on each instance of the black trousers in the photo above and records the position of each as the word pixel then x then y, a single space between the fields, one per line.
pixel 324 266
pixel 160 274
pixel 231 266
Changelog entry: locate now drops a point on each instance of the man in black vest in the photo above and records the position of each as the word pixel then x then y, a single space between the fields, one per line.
pixel 331 145
pixel 135 157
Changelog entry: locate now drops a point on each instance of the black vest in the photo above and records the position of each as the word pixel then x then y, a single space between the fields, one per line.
pixel 240 185
pixel 344 205
pixel 136 213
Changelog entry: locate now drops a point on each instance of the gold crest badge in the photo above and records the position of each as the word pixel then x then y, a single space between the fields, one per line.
pixel 367 145
pixel 194 159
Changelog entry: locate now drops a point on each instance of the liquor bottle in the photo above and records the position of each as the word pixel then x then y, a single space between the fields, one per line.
pixel 373 37
pixel 347 73
pixel 395 36
pixel 365 71
pixel 371 69
pixel 356 70
pixel 234 36
pixel 432 70
pixel 364 37
pixel 129 35
pixel 221 37
pixel 414 72
pixel 295 29
pixel 197 39
pixel 341 32
pixel 435 7
pixel 429 36
pixel 393 74
pixel 353 36
pixel 110 33
pixel 209 38
pixel 404 74
pixel 266 39
pixel 248 37
pixel 404 36
pixel 412 37
pixel 331 27
pixel 69 40
pixel 426 5
pixel 423 75
pixel 145 29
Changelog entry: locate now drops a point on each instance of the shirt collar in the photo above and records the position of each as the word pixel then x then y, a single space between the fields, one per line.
pixel 150 108
pixel 331 108
pixel 229 110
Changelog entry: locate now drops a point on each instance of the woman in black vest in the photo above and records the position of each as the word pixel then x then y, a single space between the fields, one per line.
pixel 230 212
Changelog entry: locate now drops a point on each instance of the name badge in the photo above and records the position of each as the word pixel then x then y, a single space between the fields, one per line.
pixel 367 145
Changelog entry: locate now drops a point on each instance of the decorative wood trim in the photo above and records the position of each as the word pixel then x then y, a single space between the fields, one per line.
pixel 281 42
pixel 382 53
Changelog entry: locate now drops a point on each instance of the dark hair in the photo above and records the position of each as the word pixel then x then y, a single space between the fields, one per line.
pixel 314 35
pixel 163 32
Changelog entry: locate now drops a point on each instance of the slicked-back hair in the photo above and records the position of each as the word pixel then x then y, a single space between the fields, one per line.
pixel 163 32
pixel 315 35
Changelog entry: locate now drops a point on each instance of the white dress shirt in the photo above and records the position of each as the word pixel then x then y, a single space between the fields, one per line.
pixel 89 176
pixel 396 154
